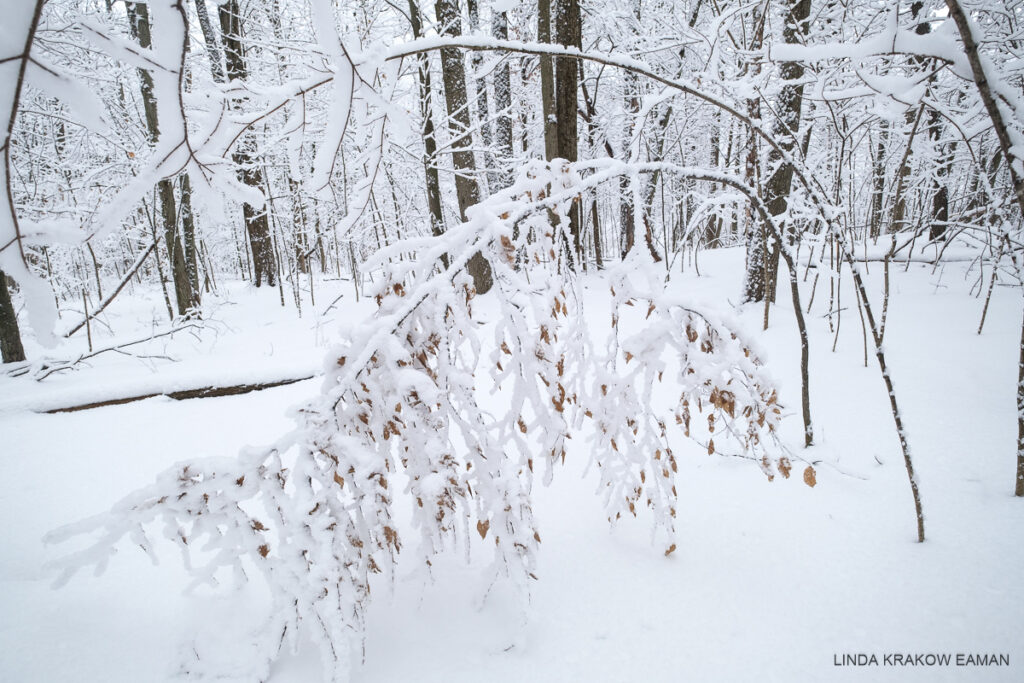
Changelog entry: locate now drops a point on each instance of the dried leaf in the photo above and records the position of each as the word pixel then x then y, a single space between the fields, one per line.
pixel 482 527
pixel 809 477
pixel 785 466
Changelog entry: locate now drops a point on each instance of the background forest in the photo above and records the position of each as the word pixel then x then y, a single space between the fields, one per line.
pixel 663 245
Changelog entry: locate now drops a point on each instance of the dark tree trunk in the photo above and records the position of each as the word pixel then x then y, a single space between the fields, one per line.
pixel 429 140
pixel 713 228
pixel 183 293
pixel 760 273
pixel 940 193
pixel 547 82
pixel 878 185
pixel 188 225
pixel 568 32
pixel 186 297
pixel 250 173
pixel 11 350
pixel 466 189
pixel 627 219
pixel 503 107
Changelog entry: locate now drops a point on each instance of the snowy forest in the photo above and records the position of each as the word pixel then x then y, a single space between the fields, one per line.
pixel 316 316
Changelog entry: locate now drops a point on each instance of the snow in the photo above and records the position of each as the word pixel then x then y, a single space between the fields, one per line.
pixel 770 580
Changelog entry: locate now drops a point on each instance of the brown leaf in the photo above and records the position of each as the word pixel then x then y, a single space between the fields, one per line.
pixel 671 549
pixel 482 527
pixel 785 466
pixel 809 478
pixel 391 537
pixel 339 480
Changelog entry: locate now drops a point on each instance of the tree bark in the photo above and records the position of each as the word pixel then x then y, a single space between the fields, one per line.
pixel 547 82
pixel 186 297
pixel 11 349
pixel 762 270
pixel 433 182
pixel 569 33
pixel 185 394
pixel 483 108
pixel 250 173
pixel 878 184
pixel 503 107
pixel 466 189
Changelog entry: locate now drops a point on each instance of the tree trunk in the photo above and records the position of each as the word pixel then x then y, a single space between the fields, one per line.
pixel 503 106
pixel 186 297
pixel 466 189
pixel 568 32
pixel 760 272
pixel 483 108
pixel 756 276
pixel 547 82
pixel 250 173
pixel 878 184
pixel 429 141
pixel 11 350
pixel 627 218
pixel 940 193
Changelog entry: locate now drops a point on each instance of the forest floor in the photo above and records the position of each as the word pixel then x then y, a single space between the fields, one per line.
pixel 772 581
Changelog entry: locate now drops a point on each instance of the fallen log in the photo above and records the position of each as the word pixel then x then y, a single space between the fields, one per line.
pixel 184 394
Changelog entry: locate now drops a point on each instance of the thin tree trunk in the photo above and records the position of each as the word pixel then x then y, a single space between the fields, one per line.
pixel 117 290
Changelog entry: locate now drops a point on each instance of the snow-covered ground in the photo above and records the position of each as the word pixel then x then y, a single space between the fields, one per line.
pixel 771 581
